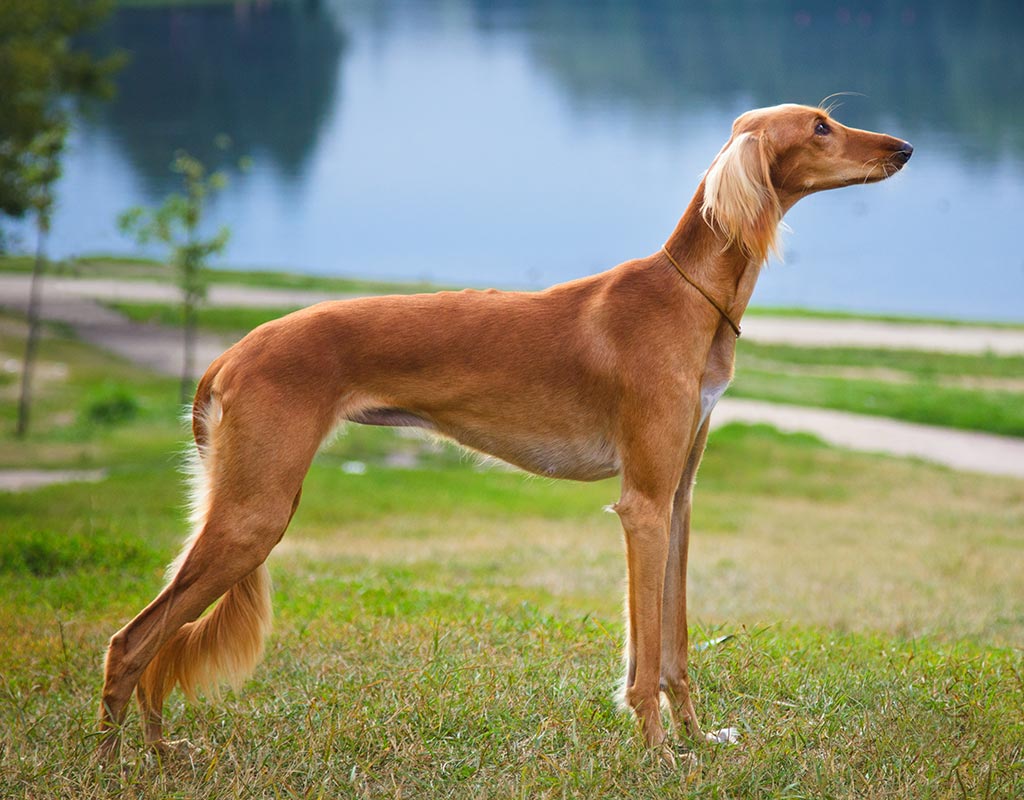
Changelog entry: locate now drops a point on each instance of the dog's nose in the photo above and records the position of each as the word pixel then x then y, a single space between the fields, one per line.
pixel 905 152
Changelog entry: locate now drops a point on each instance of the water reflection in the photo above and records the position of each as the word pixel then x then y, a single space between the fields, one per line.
pixel 939 66
pixel 265 75
pixel 521 142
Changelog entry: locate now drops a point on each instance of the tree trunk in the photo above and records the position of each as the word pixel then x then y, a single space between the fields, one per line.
pixel 188 361
pixel 32 340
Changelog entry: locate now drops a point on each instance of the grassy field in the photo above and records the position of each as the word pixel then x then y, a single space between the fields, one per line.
pixel 982 393
pixel 448 631
pixel 815 313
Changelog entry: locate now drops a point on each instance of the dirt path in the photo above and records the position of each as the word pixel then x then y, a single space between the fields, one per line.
pixel 968 339
pixel 963 450
pixel 24 480
pixel 73 303
pixel 154 346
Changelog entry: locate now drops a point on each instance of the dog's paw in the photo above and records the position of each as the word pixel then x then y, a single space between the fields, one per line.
pixel 679 759
pixel 666 756
pixel 723 736
pixel 177 750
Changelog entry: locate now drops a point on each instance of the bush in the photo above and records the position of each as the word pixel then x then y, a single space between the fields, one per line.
pixel 111 405
pixel 45 553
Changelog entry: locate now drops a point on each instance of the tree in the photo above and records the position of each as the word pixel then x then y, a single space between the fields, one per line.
pixel 40 171
pixel 175 223
pixel 40 72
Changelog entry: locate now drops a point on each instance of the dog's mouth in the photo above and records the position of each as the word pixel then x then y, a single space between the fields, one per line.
pixel 872 177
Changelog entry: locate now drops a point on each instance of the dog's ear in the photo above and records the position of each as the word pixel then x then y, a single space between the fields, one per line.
pixel 739 199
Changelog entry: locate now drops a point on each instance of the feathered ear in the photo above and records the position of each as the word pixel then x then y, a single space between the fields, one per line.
pixel 739 198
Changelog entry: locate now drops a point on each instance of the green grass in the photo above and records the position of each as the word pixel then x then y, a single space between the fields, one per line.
pixel 989 411
pixel 228 320
pixel 133 268
pixel 983 393
pixel 90 409
pixel 456 634
pixel 916 364
pixel 909 319
pixel 444 631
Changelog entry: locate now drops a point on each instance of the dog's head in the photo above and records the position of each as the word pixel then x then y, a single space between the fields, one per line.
pixel 777 156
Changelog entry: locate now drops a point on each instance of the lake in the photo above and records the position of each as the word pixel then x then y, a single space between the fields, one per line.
pixel 520 143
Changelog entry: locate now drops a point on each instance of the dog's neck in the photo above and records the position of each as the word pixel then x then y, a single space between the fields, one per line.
pixel 723 269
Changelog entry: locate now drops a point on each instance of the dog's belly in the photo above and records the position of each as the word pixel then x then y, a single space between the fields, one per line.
pixel 549 455
pixel 578 460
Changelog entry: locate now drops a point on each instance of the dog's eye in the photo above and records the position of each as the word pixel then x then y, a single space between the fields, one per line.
pixel 822 129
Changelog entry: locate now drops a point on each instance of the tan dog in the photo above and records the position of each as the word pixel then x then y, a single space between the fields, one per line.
pixel 612 374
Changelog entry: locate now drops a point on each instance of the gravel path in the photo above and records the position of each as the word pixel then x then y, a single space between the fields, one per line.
pixel 963 450
pixel 154 346
pixel 970 339
pixel 73 302
pixel 23 480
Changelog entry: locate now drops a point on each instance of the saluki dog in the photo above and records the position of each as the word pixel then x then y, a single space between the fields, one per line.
pixel 613 374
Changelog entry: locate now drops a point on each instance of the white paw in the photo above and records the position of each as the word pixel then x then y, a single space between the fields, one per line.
pixel 723 736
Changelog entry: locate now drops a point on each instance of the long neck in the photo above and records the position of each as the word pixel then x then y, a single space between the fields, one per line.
pixel 724 270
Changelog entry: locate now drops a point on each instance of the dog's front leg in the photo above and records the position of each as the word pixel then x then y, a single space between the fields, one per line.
pixel 645 521
pixel 675 681
pixel 650 476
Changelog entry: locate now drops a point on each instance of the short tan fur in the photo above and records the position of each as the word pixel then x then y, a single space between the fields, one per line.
pixel 611 374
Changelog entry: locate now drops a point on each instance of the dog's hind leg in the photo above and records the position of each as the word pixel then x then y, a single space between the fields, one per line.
pixel 227 647
pixel 255 477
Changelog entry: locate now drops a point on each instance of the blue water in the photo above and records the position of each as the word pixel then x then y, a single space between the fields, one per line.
pixel 519 144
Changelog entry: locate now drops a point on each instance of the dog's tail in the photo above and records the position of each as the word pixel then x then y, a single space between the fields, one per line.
pixel 225 645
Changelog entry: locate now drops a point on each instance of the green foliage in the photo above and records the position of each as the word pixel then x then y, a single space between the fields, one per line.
pixel 71 376
pixel 175 223
pixel 111 404
pixel 40 169
pixel 45 553
pixel 40 69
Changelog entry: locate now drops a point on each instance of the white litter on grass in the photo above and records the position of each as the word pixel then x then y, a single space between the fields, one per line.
pixel 713 642
pixel 723 736
pixel 354 468
pixel 401 459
